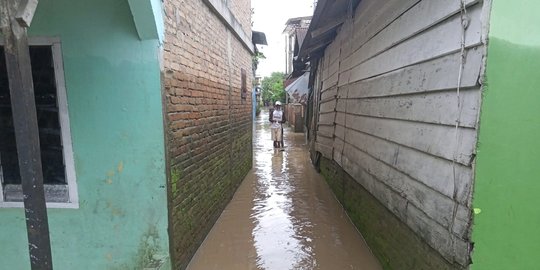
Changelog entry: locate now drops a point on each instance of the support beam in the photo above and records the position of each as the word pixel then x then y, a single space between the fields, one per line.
pixel 317 47
pixel 327 28
pixel 26 11
pixel 147 18
pixel 26 130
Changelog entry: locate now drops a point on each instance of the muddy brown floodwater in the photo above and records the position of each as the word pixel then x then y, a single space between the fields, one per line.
pixel 283 216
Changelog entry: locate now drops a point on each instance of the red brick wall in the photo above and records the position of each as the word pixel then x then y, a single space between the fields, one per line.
pixel 209 131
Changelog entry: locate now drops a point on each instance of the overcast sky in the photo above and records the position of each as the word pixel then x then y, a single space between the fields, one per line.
pixel 270 17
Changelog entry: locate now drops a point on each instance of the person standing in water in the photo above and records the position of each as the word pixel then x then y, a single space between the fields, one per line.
pixel 277 118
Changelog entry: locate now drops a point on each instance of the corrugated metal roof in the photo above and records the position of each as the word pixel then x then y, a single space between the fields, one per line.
pixel 297 19
pixel 299 89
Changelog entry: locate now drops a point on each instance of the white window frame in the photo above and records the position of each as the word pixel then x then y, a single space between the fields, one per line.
pixel 63 113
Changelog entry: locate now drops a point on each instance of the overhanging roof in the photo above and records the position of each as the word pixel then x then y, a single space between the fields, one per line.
pixel 258 38
pixel 327 18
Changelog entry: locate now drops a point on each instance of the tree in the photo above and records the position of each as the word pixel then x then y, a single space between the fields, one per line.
pixel 272 88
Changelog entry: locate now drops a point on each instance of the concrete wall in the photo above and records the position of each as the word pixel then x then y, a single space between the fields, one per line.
pixel 389 107
pixel 507 189
pixel 208 123
pixel 113 88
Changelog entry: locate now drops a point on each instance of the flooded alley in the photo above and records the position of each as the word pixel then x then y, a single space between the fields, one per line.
pixel 283 216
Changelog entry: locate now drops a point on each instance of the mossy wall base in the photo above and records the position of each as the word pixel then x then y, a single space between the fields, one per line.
pixel 393 243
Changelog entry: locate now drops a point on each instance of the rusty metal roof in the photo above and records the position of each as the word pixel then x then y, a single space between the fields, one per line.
pixel 299 89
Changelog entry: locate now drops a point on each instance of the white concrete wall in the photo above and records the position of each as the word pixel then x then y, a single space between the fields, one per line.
pixel 388 111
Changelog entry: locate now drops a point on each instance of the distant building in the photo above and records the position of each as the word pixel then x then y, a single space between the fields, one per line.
pixel 296 81
pixel 295 32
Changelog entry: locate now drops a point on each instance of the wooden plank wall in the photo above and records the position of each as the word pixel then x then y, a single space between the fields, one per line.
pixel 389 106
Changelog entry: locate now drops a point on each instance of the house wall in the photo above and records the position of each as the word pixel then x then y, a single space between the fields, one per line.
pixel 506 188
pixel 208 123
pixel 241 9
pixel 387 117
pixel 113 88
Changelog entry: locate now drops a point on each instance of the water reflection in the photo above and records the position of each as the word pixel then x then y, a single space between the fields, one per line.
pixel 277 241
pixel 283 216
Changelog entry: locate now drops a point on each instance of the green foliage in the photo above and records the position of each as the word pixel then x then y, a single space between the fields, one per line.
pixel 175 177
pixel 256 58
pixel 272 88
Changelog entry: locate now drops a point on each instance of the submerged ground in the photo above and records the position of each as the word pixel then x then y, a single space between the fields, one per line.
pixel 283 216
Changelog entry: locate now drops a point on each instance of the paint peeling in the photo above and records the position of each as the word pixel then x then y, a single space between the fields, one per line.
pixel 115 211
pixel 148 255
pixel 120 167
pixel 112 173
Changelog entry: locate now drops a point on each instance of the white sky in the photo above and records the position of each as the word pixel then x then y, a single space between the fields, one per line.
pixel 270 17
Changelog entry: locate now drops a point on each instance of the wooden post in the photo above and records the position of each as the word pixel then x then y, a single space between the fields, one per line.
pixel 26 127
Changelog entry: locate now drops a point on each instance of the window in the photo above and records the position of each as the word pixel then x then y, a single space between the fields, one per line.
pixel 54 129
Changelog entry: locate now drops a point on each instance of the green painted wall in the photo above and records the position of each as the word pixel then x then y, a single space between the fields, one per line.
pixel 114 98
pixel 507 185
pixel 148 18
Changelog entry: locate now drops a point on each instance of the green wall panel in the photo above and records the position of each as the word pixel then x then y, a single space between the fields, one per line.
pixel 114 98
pixel 507 184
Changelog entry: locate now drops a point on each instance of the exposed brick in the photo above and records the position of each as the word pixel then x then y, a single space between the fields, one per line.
pixel 208 124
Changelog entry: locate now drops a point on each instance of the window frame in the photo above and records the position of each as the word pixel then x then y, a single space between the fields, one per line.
pixel 65 128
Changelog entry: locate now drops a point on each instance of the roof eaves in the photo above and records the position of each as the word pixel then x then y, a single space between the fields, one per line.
pixel 327 18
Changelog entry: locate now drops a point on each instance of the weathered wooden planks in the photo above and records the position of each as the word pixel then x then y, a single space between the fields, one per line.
pixel 329 93
pixel 423 168
pixel 400 203
pixel 435 42
pixel 435 140
pixel 438 74
pixel 374 16
pixel 435 108
pixel 328 105
pixel 390 118
pixel 420 17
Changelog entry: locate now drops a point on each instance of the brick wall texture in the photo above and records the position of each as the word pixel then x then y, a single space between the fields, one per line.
pixel 239 9
pixel 209 134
